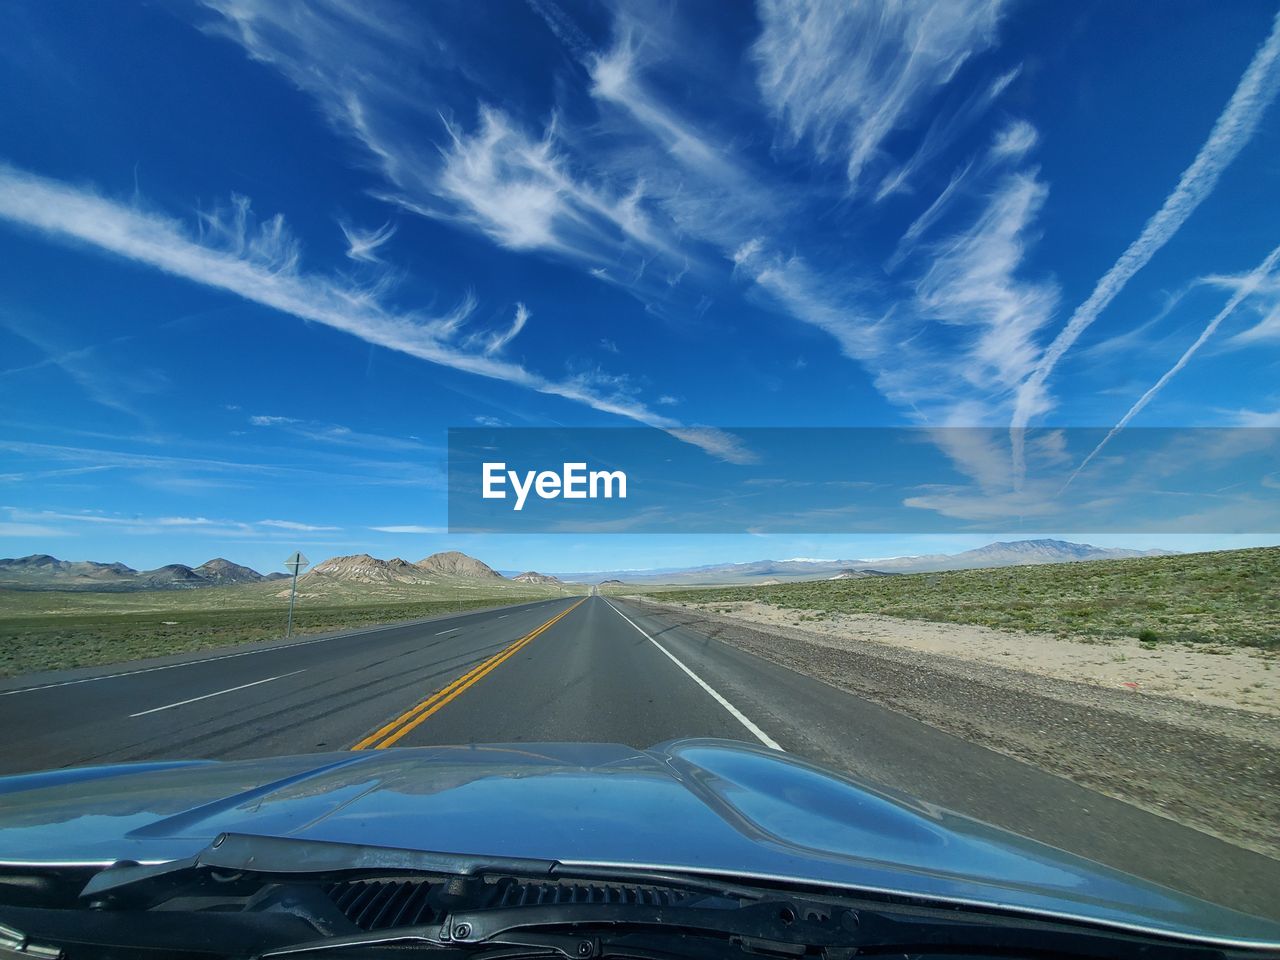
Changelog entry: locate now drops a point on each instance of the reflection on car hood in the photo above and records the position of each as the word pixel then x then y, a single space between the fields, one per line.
pixel 709 806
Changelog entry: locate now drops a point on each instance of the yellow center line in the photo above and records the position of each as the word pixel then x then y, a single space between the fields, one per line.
pixel 397 728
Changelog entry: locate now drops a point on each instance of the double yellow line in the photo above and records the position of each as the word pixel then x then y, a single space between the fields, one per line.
pixel 397 728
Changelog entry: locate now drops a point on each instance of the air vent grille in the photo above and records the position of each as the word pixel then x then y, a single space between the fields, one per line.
pixel 532 894
pixel 379 904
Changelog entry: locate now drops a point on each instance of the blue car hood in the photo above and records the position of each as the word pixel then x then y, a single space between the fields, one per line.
pixel 707 806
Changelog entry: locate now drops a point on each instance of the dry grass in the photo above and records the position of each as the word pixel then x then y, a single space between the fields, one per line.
pixel 1229 598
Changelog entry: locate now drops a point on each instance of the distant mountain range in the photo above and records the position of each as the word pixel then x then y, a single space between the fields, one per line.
pixel 1009 553
pixel 43 572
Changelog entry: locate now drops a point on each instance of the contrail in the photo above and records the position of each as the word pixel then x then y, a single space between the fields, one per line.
pixel 1246 288
pixel 1233 129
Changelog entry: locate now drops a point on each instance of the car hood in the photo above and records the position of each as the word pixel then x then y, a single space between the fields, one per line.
pixel 707 806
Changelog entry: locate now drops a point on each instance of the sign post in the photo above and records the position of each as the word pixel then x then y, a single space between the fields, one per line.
pixel 293 564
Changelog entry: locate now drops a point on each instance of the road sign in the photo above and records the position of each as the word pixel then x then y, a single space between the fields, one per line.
pixel 293 564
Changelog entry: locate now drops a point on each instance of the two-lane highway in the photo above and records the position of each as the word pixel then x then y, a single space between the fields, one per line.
pixel 579 669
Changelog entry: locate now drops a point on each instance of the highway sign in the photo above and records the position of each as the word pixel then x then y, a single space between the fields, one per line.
pixel 296 562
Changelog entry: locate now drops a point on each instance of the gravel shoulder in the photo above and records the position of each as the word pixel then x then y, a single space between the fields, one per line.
pixel 1210 767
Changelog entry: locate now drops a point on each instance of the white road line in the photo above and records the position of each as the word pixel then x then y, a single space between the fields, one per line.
pixel 243 686
pixel 450 630
pixel 230 656
pixel 741 717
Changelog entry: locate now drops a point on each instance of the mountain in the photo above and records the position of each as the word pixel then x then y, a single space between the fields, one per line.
pixel 1014 553
pixel 860 574
pixel 43 572
pixel 171 575
pixel 533 576
pixel 220 571
pixel 451 563
pixel 362 568
pixel 1000 554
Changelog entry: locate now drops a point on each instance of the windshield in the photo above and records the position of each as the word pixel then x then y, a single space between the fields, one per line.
pixel 805 443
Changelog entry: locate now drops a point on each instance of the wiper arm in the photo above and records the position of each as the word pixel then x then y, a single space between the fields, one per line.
pixel 778 921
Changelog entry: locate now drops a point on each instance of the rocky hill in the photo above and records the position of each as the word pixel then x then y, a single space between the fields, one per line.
pixel 362 568
pixel 452 563
pixel 219 570
pixel 533 576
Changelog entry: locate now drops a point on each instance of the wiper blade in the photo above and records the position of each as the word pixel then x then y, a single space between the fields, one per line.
pixel 782 921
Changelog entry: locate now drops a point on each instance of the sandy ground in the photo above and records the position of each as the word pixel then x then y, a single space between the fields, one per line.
pixel 1243 679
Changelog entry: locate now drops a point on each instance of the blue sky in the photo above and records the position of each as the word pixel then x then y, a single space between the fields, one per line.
pixel 256 257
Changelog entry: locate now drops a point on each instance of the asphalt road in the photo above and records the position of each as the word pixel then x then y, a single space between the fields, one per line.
pixel 578 669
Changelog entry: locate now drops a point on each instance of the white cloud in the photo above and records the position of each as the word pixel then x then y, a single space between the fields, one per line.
pixel 1234 128
pixel 517 187
pixel 8 529
pixel 262 266
pixel 363 245
pixel 186 474
pixel 942 131
pixel 921 224
pixel 270 421
pixel 410 528
pixel 141 524
pixel 973 282
pixel 1246 287
pixel 1015 140
pixel 1265 299
pixel 1257 418
pixel 615 80
pixel 521 192
pixel 336 434
pixel 812 298
pixel 709 192
pixel 495 342
pixel 293 525
pixel 845 75
pixel 1268 328
pixel 565 30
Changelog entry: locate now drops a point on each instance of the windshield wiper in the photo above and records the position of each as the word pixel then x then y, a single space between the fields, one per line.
pixel 781 927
